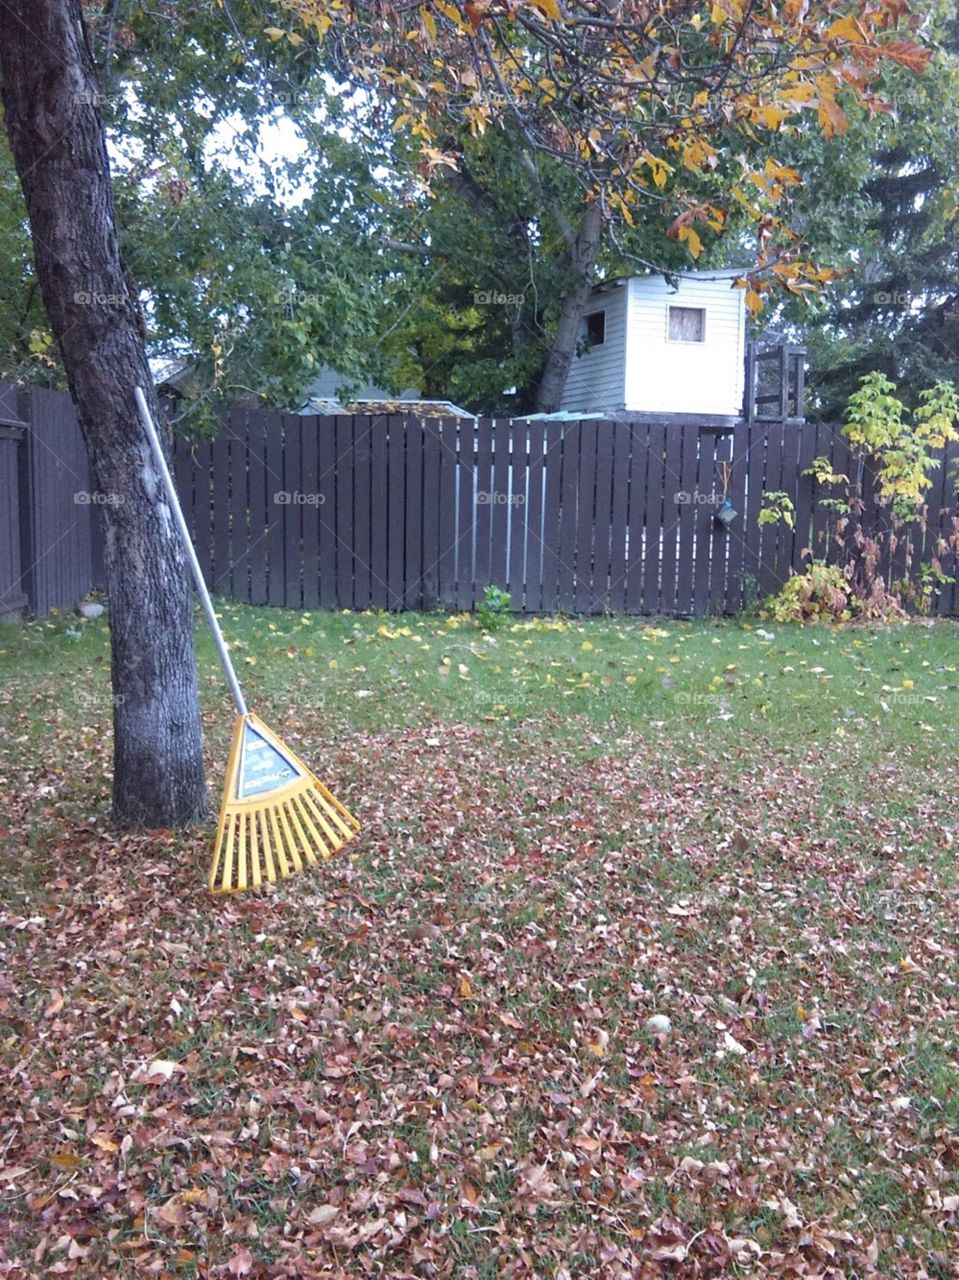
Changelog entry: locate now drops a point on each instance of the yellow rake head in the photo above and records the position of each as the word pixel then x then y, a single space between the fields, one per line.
pixel 276 817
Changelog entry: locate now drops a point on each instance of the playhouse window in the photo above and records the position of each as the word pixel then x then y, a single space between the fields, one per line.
pixel 596 329
pixel 687 324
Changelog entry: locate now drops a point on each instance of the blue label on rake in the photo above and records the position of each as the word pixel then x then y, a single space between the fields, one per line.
pixel 262 767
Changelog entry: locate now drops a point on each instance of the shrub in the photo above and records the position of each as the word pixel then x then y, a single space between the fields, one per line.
pixel 821 594
pixel 825 593
pixel 494 609
pixel 854 584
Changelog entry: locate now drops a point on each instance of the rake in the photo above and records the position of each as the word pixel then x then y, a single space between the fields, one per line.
pixel 275 817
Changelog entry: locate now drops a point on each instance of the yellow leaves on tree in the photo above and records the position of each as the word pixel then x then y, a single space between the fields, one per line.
pixel 610 95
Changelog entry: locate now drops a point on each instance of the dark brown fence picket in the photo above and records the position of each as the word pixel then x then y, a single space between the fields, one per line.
pixel 379 479
pixel 221 578
pixel 947 602
pixel 582 540
pixel 554 444
pixel 731 599
pixel 292 511
pixel 467 487
pixel 805 484
pixel 430 512
pixel 533 517
pixel 647 516
pixel 706 490
pixel 677 443
pixel 618 516
pixel 308 472
pixel 518 513
pixel 396 438
pixel 446 431
pixel 13 433
pixel 63 505
pixel 603 516
pixel 571 437
pixel 769 533
pixel 483 498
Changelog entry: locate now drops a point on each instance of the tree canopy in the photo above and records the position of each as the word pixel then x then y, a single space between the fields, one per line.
pixel 424 194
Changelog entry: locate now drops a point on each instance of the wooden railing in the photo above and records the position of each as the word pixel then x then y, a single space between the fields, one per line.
pixel 775 383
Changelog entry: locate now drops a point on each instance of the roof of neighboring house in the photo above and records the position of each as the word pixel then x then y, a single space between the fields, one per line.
pixel 563 415
pixel 325 408
pixel 413 408
pixel 366 408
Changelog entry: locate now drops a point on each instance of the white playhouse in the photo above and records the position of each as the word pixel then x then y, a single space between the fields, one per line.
pixel 648 346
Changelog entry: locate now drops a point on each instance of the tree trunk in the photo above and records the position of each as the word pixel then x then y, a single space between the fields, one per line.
pixel 582 267
pixel 51 100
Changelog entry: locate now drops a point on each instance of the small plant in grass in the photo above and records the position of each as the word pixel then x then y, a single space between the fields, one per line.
pixel 494 609
pixel 863 536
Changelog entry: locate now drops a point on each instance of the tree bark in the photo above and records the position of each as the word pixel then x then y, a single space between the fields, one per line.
pixel 51 101
pixel 582 267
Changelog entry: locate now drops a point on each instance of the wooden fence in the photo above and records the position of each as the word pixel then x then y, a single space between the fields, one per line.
pixel 588 516
pixel 49 535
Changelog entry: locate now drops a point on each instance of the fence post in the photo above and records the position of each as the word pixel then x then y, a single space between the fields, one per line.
pixel 799 356
pixel 749 383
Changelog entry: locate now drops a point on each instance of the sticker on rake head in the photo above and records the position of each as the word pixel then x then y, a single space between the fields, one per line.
pixel 263 767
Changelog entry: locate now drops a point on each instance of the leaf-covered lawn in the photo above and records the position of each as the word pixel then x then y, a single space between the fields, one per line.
pixel 430 1058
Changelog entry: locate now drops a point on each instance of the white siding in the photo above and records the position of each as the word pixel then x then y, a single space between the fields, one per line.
pixel 684 377
pixel 596 380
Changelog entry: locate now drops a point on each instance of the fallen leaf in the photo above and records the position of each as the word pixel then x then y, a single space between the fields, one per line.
pixel 733 1046
pixel 157 1071
pixel 241 1263
pixel 322 1214
pixel 66 1160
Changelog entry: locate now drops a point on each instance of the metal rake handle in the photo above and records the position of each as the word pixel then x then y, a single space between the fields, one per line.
pixel 150 428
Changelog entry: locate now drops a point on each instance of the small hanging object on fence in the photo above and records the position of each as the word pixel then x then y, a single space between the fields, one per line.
pixel 276 816
pixel 725 513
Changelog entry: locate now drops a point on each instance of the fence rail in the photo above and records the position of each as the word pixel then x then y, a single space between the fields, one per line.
pixel 401 513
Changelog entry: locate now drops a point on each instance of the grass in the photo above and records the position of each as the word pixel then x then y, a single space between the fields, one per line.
pixel 436 1046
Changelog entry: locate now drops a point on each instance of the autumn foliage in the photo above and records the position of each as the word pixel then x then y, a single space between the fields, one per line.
pixel 651 105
